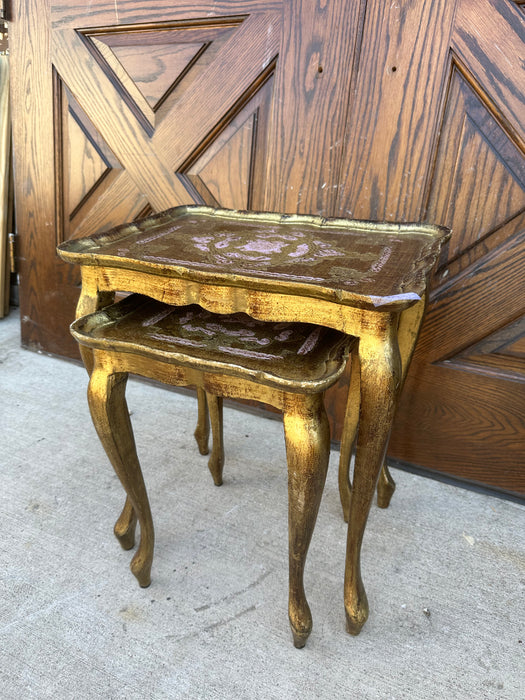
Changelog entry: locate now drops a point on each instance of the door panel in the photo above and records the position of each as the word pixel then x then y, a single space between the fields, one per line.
pixel 103 13
pixel 479 179
pixel 463 409
pixel 142 111
pixel 148 148
pixel 488 40
pixel 230 171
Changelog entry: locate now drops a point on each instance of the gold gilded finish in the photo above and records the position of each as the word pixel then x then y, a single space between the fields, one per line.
pixel 349 435
pixel 109 411
pixel 365 279
pixel 173 344
pixel 125 526
pixel 380 367
pixel 202 430
pixel 307 451
pixel 385 487
pixel 216 461
pixel 210 407
pixel 356 263
pixel 409 324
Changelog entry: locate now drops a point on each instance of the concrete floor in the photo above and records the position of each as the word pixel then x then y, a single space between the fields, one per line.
pixel 444 568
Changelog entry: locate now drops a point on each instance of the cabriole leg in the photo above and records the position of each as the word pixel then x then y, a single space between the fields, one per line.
pixel 202 431
pixel 348 436
pixel 407 333
pixel 216 461
pixel 307 436
pixel 125 526
pixel 109 411
pixel 380 372
pixel 386 485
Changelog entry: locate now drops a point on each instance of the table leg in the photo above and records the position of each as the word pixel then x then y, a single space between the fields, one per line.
pixel 91 300
pixel 307 436
pixel 380 369
pixel 409 326
pixel 407 334
pixel 126 525
pixel 216 461
pixel 202 431
pixel 349 434
pixel 386 485
pixel 408 331
pixel 109 411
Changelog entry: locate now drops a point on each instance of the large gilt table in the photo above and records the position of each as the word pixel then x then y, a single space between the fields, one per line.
pixel 366 279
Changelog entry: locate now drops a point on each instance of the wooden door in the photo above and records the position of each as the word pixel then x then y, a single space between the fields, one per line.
pixel 407 110
pixel 437 132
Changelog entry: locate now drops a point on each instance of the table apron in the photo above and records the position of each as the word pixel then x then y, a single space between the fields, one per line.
pixel 261 304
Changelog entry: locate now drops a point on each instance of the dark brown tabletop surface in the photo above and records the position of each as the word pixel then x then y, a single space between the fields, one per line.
pixel 359 263
pixel 182 334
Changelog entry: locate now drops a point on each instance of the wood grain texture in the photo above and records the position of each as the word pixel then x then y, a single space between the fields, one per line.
pixel 463 408
pixel 468 425
pixel 490 41
pixel 86 14
pixel 479 179
pixel 121 77
pixel 115 121
pixel 456 319
pixel 155 67
pixel 89 169
pixel 89 166
pixel 232 154
pixel 154 72
pixel 312 90
pixel 31 91
pixel 120 201
pixel 10 261
pixel 462 412
pixel 466 262
pixel 179 134
pixel 231 170
pixel 501 354
pixel 392 118
pixel 239 64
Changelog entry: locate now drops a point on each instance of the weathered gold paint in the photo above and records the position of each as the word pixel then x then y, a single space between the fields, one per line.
pixel 369 281
pixel 121 337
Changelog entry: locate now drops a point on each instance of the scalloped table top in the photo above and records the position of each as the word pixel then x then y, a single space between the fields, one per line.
pixel 365 264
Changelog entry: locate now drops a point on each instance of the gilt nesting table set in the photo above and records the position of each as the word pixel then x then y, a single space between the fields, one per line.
pixel 266 307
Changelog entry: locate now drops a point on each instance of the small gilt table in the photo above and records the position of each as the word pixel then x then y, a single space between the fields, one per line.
pixel 366 279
